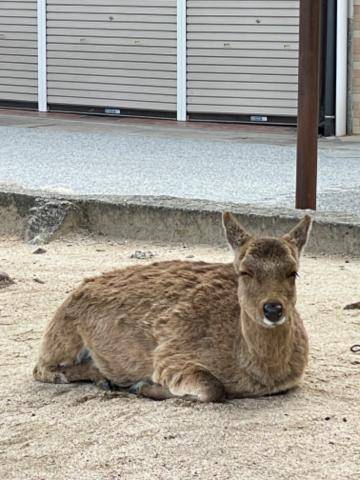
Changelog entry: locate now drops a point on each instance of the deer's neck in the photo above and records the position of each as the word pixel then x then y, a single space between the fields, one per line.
pixel 271 347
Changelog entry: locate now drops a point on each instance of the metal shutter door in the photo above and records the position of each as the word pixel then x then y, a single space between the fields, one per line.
pixel 242 57
pixel 112 53
pixel 18 50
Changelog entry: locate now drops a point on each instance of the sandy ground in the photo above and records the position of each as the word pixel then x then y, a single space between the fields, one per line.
pixel 77 432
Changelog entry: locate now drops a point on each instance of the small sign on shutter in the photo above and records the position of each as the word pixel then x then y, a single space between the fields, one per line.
pixel 258 118
pixel 112 111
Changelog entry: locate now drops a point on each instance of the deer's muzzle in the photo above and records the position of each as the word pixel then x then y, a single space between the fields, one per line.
pixel 273 312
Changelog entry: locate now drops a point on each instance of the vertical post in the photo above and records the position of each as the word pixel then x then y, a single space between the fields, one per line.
pixel 329 74
pixel 41 36
pixel 181 60
pixel 341 66
pixel 308 104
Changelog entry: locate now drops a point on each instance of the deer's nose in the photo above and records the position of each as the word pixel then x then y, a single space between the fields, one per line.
pixel 273 311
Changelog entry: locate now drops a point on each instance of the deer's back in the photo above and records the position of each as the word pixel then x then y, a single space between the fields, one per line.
pixel 160 296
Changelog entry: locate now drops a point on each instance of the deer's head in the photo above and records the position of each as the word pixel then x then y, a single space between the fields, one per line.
pixel 267 270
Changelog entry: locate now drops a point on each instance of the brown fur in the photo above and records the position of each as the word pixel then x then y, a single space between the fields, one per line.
pixel 179 324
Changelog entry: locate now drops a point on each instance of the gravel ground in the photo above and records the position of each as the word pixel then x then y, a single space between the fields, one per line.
pixel 75 432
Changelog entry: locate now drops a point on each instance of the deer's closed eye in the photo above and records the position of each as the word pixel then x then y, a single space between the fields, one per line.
pixel 293 274
pixel 244 273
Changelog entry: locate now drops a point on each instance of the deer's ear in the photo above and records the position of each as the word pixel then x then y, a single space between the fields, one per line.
pixel 236 235
pixel 299 235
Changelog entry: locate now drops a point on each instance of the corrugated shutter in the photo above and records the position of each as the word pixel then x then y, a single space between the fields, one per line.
pixel 112 53
pixel 18 50
pixel 242 57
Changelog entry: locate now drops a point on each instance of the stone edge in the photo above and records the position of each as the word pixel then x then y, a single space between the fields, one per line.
pixel 188 221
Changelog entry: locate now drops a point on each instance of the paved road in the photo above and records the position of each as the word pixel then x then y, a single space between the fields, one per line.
pixel 145 159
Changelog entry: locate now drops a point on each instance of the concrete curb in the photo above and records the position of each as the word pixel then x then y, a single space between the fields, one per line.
pixel 167 219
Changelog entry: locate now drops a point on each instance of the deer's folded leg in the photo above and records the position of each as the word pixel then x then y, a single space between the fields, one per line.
pixel 191 381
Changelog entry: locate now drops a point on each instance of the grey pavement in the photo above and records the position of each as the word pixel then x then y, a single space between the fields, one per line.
pixel 229 164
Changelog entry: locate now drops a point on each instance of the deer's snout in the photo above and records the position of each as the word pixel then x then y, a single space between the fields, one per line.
pixel 273 311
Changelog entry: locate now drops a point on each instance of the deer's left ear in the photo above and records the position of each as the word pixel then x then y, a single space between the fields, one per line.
pixel 299 235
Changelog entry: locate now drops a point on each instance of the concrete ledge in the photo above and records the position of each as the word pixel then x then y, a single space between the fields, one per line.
pixel 166 219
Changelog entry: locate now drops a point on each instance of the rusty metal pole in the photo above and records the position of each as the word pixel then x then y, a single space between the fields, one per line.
pixel 308 104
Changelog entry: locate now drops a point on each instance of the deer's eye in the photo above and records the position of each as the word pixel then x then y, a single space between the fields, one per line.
pixel 293 275
pixel 244 273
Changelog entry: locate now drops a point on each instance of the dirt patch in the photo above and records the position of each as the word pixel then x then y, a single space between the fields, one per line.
pixel 76 432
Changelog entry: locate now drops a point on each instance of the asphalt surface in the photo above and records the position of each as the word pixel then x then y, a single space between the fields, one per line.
pixel 236 166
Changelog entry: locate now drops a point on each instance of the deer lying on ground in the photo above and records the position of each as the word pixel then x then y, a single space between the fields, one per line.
pixel 207 331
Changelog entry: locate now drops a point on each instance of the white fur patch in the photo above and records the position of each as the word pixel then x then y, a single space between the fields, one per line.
pixel 270 324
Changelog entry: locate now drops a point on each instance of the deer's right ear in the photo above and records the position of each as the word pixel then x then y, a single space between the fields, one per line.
pixel 299 235
pixel 236 235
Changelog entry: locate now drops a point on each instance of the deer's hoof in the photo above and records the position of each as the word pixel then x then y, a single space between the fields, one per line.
pixel 137 387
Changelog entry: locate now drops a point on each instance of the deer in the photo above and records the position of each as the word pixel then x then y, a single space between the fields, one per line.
pixel 204 331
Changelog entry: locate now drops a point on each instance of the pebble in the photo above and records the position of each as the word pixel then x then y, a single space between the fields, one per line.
pixel 39 251
pixel 37 280
pixel 353 306
pixel 5 280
